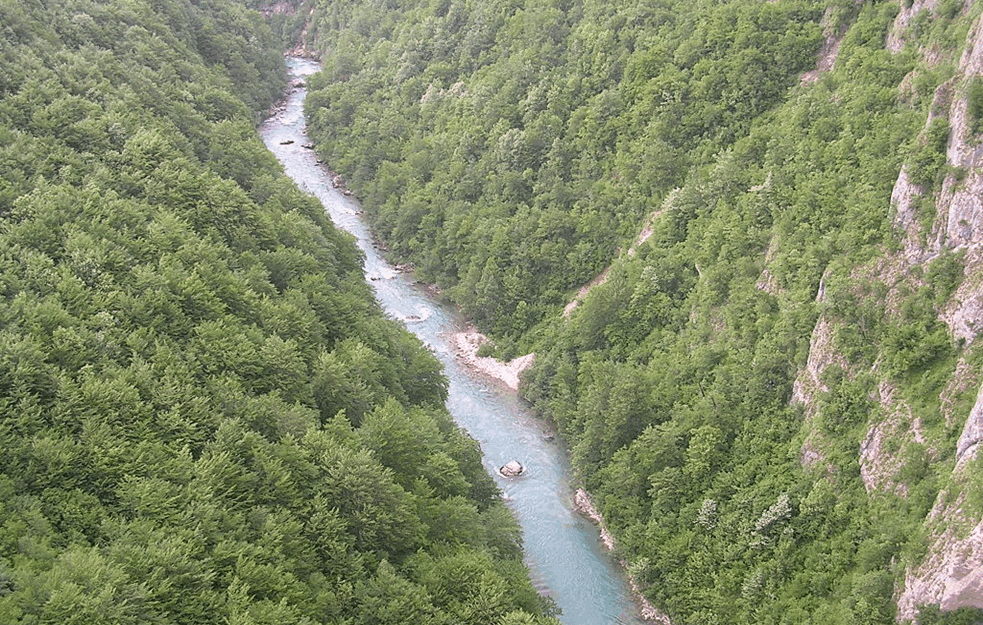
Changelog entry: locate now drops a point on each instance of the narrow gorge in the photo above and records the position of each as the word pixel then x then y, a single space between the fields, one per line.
pixel 491 312
pixel 563 551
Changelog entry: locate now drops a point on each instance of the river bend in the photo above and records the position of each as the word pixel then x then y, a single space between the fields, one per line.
pixel 562 549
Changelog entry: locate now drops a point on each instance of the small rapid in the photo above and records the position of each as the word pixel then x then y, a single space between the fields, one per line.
pixel 562 549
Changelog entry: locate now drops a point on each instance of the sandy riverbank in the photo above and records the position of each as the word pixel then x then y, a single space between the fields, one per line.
pixel 466 345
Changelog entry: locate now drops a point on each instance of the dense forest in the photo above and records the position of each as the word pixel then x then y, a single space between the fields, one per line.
pixel 771 391
pixel 205 416
pixel 513 146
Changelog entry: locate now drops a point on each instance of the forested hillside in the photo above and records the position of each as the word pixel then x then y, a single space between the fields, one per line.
pixel 508 148
pixel 773 394
pixel 205 416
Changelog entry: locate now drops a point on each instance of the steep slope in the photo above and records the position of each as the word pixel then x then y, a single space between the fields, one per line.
pixel 881 364
pixel 951 574
pixel 772 399
pixel 205 416
pixel 508 149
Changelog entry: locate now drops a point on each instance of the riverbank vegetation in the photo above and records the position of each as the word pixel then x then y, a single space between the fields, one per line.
pixel 764 398
pixel 515 146
pixel 205 416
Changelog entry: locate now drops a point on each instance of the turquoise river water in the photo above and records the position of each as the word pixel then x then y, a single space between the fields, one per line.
pixel 562 549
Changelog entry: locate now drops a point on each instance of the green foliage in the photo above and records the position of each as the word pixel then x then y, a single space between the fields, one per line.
pixel 206 417
pixel 927 161
pixel 917 339
pixel 975 103
pixel 510 150
pixel 931 615
pixel 949 9
pixel 944 275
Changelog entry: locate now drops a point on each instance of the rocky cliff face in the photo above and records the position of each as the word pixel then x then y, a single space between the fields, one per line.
pixel 879 467
pixel 906 14
pixel 808 384
pixel 281 7
pixel 787 200
pixel 298 12
pixel 951 573
pixel 907 194
pixel 960 204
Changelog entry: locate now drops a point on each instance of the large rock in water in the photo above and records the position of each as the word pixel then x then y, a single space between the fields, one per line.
pixel 511 469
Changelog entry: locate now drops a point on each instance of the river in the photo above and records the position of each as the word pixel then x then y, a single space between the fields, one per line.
pixel 562 549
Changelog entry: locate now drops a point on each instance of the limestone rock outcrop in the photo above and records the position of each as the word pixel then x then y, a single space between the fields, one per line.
pixel 513 468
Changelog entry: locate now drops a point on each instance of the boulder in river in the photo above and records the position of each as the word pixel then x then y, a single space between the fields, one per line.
pixel 512 469
pixel 307 146
pixel 287 142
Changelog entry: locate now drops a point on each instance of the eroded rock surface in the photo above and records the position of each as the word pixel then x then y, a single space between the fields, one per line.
pixel 468 343
pixel 963 313
pixel 512 468
pixel 896 36
pixel 879 465
pixel 972 435
pixel 822 354
pixel 951 574
pixel 830 50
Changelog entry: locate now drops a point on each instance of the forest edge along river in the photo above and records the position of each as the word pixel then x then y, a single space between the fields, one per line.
pixel 562 549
